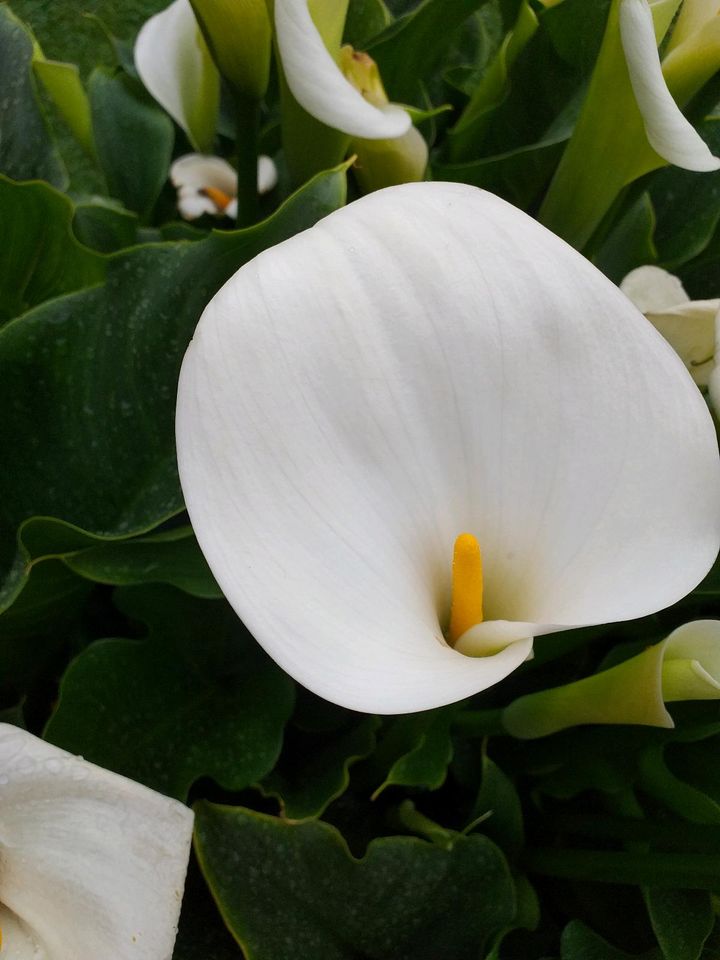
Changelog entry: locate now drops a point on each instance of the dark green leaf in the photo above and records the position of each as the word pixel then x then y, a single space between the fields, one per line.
pixel 104 226
pixel 89 379
pixel 133 137
pixel 687 205
pixel 40 256
pixel 27 151
pixel 173 558
pixel 365 19
pixel 197 698
pixel 293 890
pixel 412 47
pixel 630 242
pixel 580 943
pixel 428 750
pixel 313 770
pixel 500 799
pixel 37 626
pixel 682 921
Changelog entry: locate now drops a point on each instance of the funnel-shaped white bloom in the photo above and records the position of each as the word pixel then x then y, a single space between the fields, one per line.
pixel 207 184
pixel 667 130
pixel 93 865
pixel 688 325
pixel 175 65
pixel 425 362
pixel 318 84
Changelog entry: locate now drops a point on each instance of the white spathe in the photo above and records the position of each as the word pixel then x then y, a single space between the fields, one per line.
pixel 193 173
pixel 175 66
pixel 93 864
pixel 425 362
pixel 688 325
pixel 318 84
pixel 667 130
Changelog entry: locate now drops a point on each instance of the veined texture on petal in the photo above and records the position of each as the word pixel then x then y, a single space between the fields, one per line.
pixel 93 864
pixel 318 84
pixel 425 362
pixel 667 130
pixel 175 65
pixel 688 325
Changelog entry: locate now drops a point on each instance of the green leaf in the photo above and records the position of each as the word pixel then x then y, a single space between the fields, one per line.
pixel 517 175
pixel 581 943
pixel 465 137
pixel 197 698
pixel 688 205
pixel 657 779
pixel 173 558
pixel 365 19
pixel 40 256
pixel 36 629
pixel 630 242
pixel 89 380
pixel 499 798
pixel 412 47
pixel 27 151
pixel 104 226
pixel 134 139
pixel 427 752
pixel 313 770
pixel 682 921
pixel 293 890
pixel 63 85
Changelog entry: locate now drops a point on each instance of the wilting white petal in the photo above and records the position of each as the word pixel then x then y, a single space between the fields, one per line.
pixel 667 130
pixel 425 362
pixel 175 65
pixel 318 84
pixel 93 865
pixel 687 325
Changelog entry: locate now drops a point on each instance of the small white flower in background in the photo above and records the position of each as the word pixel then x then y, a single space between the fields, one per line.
pixel 207 184
pixel 93 864
pixel 684 666
pixel 175 66
pixel 668 132
pixel 320 86
pixel 429 366
pixel 688 325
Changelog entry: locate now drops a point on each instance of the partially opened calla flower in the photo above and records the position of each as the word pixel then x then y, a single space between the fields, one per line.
pixel 321 87
pixel 684 666
pixel 667 130
pixel 93 865
pixel 175 65
pixel 429 373
pixel 688 325
pixel 207 184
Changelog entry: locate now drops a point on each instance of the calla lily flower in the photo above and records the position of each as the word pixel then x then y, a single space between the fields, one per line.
pixel 93 865
pixel 426 374
pixel 175 65
pixel 207 184
pixel 320 86
pixel 684 666
pixel 667 130
pixel 688 325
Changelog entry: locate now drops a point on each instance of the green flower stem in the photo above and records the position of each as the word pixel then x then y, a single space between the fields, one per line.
pixel 248 128
pixel 692 871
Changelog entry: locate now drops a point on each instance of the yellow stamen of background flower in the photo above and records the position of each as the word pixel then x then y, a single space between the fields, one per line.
pixel 218 197
pixel 466 608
